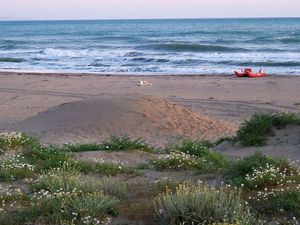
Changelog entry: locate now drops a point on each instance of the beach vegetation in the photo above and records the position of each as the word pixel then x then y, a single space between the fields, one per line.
pixel 197 203
pixel 189 154
pixel 65 196
pixel 255 132
pixel 103 168
pixel 123 143
pixel 271 186
pixel 14 141
pixel 14 167
pixel 253 169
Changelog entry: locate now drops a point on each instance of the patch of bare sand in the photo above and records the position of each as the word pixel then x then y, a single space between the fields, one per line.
pixel 138 116
pixel 285 143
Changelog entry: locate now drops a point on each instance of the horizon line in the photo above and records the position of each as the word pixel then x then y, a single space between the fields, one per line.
pixel 171 18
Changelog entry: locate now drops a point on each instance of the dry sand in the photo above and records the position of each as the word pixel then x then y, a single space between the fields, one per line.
pixel 67 107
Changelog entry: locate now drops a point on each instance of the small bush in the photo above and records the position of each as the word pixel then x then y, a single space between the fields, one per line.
pixel 68 178
pixel 190 154
pixel 15 141
pixel 105 168
pixel 74 207
pixel 177 160
pixel 238 170
pixel 47 157
pixel 200 149
pixel 15 167
pixel 200 204
pixel 63 196
pixel 82 147
pixel 256 131
pixel 125 143
pixel 282 202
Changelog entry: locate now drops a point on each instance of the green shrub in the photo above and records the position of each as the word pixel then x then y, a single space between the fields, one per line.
pixel 85 147
pixel 200 149
pixel 105 168
pixel 256 131
pixel 190 154
pixel 200 204
pixel 15 167
pixel 16 141
pixel 177 160
pixel 63 196
pixel 239 170
pixel 74 207
pixel 47 157
pixel 125 143
pixel 280 202
pixel 68 178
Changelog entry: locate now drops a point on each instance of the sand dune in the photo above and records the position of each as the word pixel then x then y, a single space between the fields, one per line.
pixel 139 116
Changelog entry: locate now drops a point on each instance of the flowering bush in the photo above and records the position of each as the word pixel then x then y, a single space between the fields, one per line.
pixel 73 198
pixel 75 206
pixel 201 150
pixel 10 195
pixel 177 160
pixel 201 204
pixel 271 175
pixel 13 140
pixel 15 167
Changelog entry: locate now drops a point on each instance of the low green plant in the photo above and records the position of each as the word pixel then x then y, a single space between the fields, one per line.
pixel 65 196
pixel 199 149
pixel 14 168
pixel 82 147
pixel 176 160
pixel 281 202
pixel 255 131
pixel 200 204
pixel 125 143
pixel 255 171
pixel 47 157
pixel 68 178
pixel 74 207
pixel 103 168
pixel 189 154
pixel 16 141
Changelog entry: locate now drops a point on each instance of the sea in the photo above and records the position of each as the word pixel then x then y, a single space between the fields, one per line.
pixel 169 46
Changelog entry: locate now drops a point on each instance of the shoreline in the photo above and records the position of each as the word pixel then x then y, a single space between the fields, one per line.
pixel 41 73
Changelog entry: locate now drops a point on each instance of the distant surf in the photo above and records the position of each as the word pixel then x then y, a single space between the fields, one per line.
pixel 183 46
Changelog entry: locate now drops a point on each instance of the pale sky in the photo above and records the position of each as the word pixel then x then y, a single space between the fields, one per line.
pixel 144 9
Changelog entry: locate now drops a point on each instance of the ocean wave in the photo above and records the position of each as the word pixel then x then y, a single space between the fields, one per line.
pixel 133 54
pixel 97 64
pixel 267 64
pixel 289 40
pixel 11 60
pixel 144 59
pixel 188 47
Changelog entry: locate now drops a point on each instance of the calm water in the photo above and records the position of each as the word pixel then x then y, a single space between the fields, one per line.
pixel 200 46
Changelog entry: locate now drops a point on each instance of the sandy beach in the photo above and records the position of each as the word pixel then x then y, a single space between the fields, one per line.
pixel 61 108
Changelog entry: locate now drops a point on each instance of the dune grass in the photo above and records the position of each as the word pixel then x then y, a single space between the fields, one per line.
pixel 112 144
pixel 255 131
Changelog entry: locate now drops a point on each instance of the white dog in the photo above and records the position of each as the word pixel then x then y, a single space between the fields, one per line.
pixel 144 83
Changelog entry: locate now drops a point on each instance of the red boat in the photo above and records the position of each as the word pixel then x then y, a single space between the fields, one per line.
pixel 248 72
